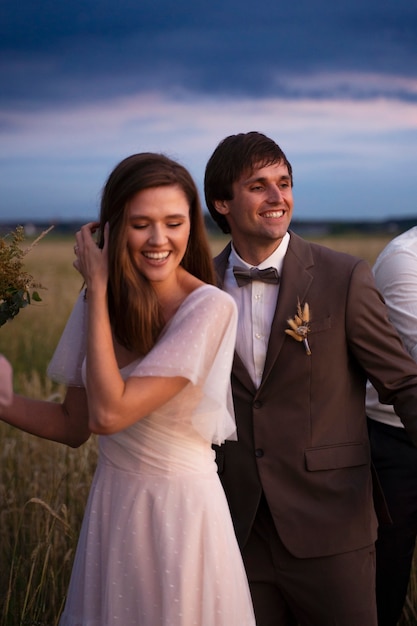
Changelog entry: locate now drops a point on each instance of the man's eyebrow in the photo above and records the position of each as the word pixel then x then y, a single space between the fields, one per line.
pixel 263 179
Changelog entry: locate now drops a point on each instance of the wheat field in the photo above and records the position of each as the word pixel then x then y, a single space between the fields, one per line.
pixel 44 486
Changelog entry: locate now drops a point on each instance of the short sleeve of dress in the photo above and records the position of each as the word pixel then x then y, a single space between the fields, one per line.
pixel 198 344
pixel 65 366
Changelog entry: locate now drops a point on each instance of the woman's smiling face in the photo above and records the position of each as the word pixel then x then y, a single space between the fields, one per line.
pixel 158 230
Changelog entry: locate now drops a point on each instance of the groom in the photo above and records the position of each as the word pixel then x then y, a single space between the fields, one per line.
pixel 298 480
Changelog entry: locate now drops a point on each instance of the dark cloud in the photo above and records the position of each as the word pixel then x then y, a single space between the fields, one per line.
pixel 83 50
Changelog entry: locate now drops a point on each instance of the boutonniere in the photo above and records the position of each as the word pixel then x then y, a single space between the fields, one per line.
pixel 300 325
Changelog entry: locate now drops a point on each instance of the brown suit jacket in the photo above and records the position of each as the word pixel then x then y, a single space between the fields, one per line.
pixel 302 435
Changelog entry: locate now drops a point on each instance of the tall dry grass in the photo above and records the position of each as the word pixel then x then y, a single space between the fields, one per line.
pixel 44 486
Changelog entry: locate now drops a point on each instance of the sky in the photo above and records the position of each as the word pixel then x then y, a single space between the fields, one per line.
pixel 85 83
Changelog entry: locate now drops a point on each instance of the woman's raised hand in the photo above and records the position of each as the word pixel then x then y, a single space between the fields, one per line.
pixel 92 261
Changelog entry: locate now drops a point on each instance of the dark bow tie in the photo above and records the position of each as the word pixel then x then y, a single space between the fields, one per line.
pixel 244 276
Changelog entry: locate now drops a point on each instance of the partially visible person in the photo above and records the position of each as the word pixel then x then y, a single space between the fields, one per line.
pixel 146 355
pixel 393 453
pixel 6 381
pixel 298 480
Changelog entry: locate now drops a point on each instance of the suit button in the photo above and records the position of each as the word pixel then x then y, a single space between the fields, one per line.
pixel 259 453
pixel 257 404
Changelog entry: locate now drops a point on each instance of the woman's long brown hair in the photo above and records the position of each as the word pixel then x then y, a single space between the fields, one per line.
pixel 135 314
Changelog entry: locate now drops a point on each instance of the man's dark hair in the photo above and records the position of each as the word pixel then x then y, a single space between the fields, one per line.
pixel 233 157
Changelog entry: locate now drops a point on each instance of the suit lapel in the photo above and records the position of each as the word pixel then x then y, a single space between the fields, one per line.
pixel 295 282
pixel 296 278
pixel 220 264
pixel 239 369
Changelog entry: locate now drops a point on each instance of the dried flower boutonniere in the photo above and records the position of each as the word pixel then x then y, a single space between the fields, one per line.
pixel 300 325
pixel 17 287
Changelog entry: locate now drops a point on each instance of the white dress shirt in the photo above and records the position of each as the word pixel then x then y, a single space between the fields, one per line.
pixel 256 303
pixel 395 273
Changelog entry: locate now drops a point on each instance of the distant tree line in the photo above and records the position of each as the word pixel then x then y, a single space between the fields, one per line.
pixel 315 228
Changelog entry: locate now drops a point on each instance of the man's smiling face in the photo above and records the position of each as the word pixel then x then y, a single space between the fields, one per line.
pixel 261 210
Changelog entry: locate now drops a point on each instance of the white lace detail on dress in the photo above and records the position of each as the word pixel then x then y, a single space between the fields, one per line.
pixel 197 344
pixel 67 360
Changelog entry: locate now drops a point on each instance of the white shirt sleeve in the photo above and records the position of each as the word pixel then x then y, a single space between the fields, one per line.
pixel 396 278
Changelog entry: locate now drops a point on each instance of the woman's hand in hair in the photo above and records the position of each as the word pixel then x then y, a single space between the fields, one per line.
pixel 91 261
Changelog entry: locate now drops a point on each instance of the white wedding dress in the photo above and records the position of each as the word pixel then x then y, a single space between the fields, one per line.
pixel 157 545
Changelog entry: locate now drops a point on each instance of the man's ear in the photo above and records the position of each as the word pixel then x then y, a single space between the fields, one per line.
pixel 221 207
